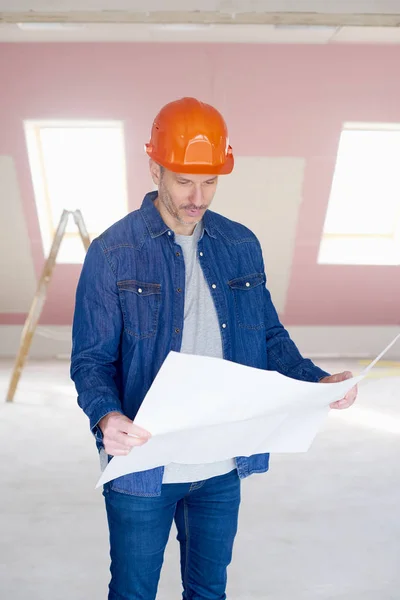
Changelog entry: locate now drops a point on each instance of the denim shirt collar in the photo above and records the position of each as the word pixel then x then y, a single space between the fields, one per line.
pixel 156 225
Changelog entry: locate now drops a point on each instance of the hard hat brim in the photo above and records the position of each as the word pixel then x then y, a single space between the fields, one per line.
pixel 194 169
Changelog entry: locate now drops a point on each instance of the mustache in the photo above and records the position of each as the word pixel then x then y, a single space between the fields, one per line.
pixel 193 207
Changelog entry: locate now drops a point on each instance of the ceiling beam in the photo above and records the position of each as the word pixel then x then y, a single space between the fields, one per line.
pixel 251 18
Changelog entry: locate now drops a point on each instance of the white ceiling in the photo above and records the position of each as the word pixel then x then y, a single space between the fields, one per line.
pixel 257 34
pixel 224 6
pixel 243 21
pixel 321 12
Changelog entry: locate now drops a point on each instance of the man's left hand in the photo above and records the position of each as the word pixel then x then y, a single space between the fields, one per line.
pixel 351 395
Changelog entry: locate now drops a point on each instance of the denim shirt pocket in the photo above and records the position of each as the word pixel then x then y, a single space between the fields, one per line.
pixel 140 305
pixel 248 297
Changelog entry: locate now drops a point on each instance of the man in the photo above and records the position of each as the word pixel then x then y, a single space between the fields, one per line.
pixel 174 276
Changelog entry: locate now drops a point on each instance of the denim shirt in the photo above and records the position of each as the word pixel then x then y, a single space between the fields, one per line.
pixel 129 315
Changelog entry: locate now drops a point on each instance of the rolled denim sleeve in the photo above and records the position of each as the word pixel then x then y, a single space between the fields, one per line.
pixel 96 334
pixel 283 354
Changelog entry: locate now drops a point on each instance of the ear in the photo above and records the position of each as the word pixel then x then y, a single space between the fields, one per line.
pixel 155 171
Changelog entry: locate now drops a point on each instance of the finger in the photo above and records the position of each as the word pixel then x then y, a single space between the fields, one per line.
pixel 349 400
pixel 113 451
pixel 342 376
pixel 127 426
pixel 340 404
pixel 128 441
pixel 337 377
pixel 138 431
pixel 352 394
pixel 122 444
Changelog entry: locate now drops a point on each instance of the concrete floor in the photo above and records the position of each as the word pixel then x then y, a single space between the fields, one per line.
pixel 321 525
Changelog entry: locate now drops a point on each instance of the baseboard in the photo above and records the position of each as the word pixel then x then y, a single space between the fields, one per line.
pixel 344 341
pixel 50 341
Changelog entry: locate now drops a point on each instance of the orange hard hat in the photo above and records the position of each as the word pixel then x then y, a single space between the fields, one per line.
pixel 189 136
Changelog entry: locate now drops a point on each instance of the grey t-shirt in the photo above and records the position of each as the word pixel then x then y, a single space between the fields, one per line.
pixel 201 335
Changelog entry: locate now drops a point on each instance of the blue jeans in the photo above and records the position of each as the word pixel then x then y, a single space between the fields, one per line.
pixel 206 516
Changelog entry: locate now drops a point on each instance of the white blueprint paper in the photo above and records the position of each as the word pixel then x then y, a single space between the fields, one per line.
pixel 201 410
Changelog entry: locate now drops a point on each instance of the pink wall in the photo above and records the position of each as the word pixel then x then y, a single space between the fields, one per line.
pixel 277 100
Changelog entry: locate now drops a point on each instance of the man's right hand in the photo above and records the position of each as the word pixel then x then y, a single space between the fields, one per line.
pixel 120 434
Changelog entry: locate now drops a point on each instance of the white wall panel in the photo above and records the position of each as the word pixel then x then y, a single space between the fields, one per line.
pixel 265 194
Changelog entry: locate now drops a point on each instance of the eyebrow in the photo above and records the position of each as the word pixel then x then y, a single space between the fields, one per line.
pixel 182 178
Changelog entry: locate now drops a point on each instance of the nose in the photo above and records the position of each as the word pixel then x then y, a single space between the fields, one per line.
pixel 197 195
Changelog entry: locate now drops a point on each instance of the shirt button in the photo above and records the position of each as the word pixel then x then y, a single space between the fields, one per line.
pixel 178 254
pixel 179 290
pixel 169 232
pixel 247 284
pixel 177 330
pixel 223 325
pixel 214 286
pixel 140 290
pixel 201 254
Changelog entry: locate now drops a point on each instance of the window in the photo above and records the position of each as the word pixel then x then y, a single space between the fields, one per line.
pixel 362 225
pixel 77 165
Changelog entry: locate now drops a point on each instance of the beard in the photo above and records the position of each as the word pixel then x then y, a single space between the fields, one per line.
pixel 166 200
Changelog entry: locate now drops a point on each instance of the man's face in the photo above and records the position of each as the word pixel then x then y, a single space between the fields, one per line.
pixel 185 197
